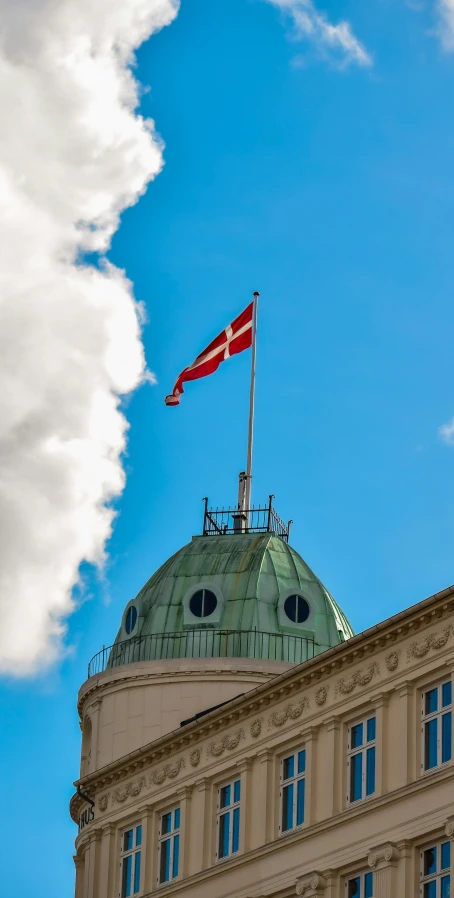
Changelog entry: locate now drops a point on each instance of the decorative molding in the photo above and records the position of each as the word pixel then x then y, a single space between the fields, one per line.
pixel 434 641
pixel 256 727
pixel 383 854
pixel 194 757
pixel 449 828
pixel 290 712
pixel 392 660
pixel 229 743
pixel 134 788
pixel 103 802
pixel 321 695
pixel 169 771
pixel 311 885
pixel 359 678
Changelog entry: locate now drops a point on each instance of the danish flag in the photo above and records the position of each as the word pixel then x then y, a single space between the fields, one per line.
pixel 236 337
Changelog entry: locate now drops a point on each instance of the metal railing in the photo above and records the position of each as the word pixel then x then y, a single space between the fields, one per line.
pixel 221 521
pixel 205 643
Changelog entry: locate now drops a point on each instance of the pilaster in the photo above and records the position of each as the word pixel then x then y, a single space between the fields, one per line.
pixel 311 885
pixel 310 736
pixel 184 797
pixel 79 865
pixel 333 776
pixel 244 768
pixel 107 864
pixel 403 740
pixel 202 841
pixel 380 703
pixel 93 712
pixel 383 861
pixel 264 801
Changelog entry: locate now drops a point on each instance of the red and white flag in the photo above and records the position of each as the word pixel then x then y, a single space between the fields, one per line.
pixel 236 337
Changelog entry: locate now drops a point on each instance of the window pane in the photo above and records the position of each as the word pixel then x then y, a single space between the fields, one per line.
pixel 164 871
pixel 166 824
pixel 236 830
pixel 431 702
pixel 128 840
pixel 176 819
pixel 357 735
pixel 356 777
pixel 176 856
pixel 224 832
pixel 430 889
pixel 237 790
pixel 430 748
pixel 354 886
pixel 368 885
pixel 287 807
pixel 301 761
pixel 446 730
pixel 446 694
pixel 445 886
pixel 136 872
pixel 289 767
pixel 445 855
pixel 225 796
pixel 138 836
pixel 370 771
pixel 127 870
pixel 371 729
pixel 430 861
pixel 300 802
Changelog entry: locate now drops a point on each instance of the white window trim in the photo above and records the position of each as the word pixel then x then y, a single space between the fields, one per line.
pixel 437 877
pixel 362 875
pixel 284 783
pixel 436 714
pixel 170 836
pixel 220 812
pixel 131 852
pixel 356 751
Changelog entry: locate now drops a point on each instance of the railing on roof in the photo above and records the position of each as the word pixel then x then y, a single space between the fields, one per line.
pixel 221 521
pixel 205 643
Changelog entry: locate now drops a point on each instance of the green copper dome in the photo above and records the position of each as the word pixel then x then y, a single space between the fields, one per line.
pixel 244 595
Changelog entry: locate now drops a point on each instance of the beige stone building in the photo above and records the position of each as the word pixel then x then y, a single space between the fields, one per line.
pixel 238 740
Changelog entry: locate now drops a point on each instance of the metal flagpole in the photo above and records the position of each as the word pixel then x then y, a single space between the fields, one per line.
pixel 251 406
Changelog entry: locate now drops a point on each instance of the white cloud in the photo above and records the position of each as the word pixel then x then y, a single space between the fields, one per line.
pixel 446 432
pixel 446 26
pixel 73 154
pixel 334 42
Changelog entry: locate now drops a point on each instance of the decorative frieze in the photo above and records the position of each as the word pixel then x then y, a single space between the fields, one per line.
pixel 256 727
pixel 290 712
pixel 392 660
pixel 194 757
pixel 227 743
pixel 169 771
pixel 103 801
pixel 359 678
pixel 133 788
pixel 434 641
pixel 321 695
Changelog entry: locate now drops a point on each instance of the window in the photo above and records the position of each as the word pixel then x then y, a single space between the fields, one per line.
pixel 293 770
pixel 130 862
pixel 361 886
pixel 228 819
pixel 203 603
pixel 296 609
pixel 361 760
pixel 435 871
pixel 437 726
pixel 131 619
pixel 169 845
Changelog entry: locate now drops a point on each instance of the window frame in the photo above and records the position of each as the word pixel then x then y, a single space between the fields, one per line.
pixel 436 715
pixel 362 876
pixel 363 749
pixel 171 836
pixel 234 805
pixel 133 852
pixel 440 871
pixel 292 781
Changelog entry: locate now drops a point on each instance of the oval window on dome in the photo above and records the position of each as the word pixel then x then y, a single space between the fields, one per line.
pixel 131 619
pixel 296 609
pixel 203 603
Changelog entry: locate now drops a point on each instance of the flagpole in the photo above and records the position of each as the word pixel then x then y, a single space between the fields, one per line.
pixel 251 406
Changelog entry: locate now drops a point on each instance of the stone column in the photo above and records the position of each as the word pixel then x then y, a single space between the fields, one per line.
pixel 107 865
pixel 244 768
pixel 405 869
pixel 383 860
pixel 93 867
pixel 333 774
pixel 264 801
pixel 79 865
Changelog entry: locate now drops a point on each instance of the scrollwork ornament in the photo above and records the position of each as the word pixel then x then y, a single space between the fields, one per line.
pixel 435 641
pixel 290 712
pixel 383 854
pixel 449 828
pixel 228 743
pixel 256 727
pixel 392 660
pixel 359 678
pixel 310 885
pixel 169 771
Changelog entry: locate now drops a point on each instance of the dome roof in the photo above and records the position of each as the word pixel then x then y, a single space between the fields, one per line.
pixel 250 588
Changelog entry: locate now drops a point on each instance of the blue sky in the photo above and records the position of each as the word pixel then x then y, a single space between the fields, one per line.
pixel 327 187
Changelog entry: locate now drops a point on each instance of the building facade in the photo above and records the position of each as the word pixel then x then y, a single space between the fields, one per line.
pixel 238 740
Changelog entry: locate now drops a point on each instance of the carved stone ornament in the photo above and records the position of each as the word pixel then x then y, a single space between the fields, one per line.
pixel 383 855
pixel 169 771
pixel 359 678
pixel 449 828
pixel 290 712
pixel 321 695
pixel 216 749
pixel 256 727
pixel 392 660
pixel 311 885
pixel 434 641
pixel 103 802
pixel 194 757
pixel 121 794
